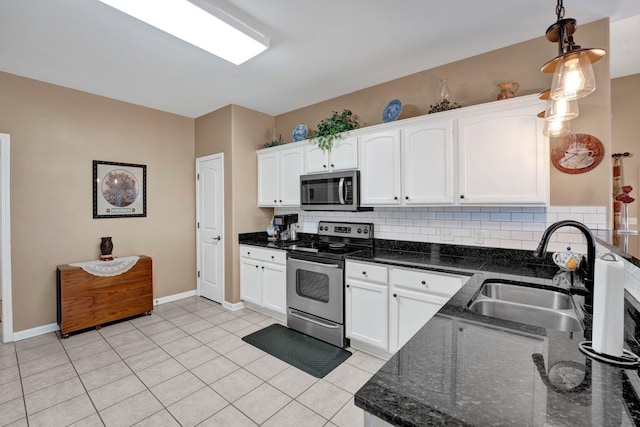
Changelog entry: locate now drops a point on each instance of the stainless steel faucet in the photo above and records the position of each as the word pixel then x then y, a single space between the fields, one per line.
pixel 541 250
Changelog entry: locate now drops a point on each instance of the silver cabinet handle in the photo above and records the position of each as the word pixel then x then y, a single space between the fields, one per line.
pixel 314 321
pixel 316 263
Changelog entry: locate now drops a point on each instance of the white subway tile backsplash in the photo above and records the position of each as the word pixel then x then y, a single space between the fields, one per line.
pixel 490 225
pixel 515 226
pixel 522 217
pixel 500 216
pixel 481 216
pixel 505 227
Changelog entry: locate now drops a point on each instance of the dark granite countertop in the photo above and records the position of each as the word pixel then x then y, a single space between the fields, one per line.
pixel 463 368
pixel 627 246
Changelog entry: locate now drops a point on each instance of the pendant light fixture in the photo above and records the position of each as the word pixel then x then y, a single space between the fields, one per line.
pixel 559 109
pixel 557 115
pixel 573 74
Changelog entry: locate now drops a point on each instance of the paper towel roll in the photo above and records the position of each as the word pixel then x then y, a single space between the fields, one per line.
pixel 608 306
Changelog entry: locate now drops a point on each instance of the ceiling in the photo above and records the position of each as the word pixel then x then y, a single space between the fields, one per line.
pixel 319 49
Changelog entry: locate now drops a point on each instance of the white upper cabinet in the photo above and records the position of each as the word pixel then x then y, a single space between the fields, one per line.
pixel 380 179
pixel 279 173
pixel 343 155
pixel 502 155
pixel 490 154
pixel 427 163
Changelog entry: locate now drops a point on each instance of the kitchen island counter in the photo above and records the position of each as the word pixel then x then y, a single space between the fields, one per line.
pixel 463 368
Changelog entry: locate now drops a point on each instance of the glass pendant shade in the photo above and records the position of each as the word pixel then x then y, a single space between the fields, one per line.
pixel 573 78
pixel 561 110
pixel 556 128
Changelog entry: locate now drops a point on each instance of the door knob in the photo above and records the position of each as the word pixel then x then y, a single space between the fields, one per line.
pixel 215 238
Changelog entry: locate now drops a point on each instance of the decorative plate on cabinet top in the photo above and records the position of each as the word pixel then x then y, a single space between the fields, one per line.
pixel 299 132
pixel 392 110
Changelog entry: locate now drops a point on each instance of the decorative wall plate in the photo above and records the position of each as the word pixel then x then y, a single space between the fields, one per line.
pixel 299 132
pixel 392 111
pixel 577 153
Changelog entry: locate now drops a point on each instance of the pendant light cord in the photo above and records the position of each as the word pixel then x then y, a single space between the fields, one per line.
pixel 559 10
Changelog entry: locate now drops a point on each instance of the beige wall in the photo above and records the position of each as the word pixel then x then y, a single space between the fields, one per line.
pixel 250 131
pixel 625 93
pixel 55 135
pixel 237 132
pixel 474 81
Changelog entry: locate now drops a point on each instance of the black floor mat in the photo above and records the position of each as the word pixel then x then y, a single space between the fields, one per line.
pixel 313 356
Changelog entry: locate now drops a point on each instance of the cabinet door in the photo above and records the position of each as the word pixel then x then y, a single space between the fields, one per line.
pixel 250 281
pixel 316 159
pixel 380 169
pixel 408 312
pixel 268 179
pixel 502 158
pixel 427 163
pixel 344 154
pixel 274 287
pixel 366 313
pixel 291 167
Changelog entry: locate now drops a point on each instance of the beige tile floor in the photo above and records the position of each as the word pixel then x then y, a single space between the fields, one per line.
pixel 184 365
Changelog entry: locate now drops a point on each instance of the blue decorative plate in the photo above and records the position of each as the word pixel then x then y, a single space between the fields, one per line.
pixel 300 132
pixel 392 110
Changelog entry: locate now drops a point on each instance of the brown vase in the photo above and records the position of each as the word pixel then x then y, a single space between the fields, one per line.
pixel 106 248
pixel 508 90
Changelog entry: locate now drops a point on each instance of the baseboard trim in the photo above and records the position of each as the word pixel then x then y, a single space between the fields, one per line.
pixel 233 306
pixel 174 297
pixel 52 327
pixel 34 332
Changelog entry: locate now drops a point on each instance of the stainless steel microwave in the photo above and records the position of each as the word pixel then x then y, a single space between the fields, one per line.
pixel 333 191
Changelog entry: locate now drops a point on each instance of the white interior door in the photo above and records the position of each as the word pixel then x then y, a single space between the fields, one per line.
pixel 210 231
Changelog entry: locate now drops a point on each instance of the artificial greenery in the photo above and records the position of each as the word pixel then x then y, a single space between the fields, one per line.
pixel 274 142
pixel 443 106
pixel 331 128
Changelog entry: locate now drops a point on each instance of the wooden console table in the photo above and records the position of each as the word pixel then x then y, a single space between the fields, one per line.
pixel 86 301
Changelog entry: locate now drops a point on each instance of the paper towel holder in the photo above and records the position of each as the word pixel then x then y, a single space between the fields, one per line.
pixel 628 359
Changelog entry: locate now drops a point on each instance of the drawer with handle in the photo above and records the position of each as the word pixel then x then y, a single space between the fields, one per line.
pixel 270 255
pixel 365 271
pixel 426 281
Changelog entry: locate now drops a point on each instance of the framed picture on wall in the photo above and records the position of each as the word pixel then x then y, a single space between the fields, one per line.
pixel 119 190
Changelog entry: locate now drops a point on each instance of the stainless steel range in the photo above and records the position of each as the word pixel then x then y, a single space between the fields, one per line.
pixel 315 279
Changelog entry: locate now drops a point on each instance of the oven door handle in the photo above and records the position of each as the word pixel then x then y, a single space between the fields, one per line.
pixel 318 264
pixel 341 191
pixel 308 319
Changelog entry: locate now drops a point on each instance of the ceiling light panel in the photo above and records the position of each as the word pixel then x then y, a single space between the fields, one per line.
pixel 202 25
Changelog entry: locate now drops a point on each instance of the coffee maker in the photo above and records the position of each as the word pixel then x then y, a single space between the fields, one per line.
pixel 286 227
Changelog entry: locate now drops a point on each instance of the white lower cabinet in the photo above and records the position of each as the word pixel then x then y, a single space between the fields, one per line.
pixel 416 296
pixel 263 280
pixel 408 312
pixel 386 306
pixel 366 304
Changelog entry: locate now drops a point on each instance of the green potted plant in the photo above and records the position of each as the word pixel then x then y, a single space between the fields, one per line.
pixel 331 128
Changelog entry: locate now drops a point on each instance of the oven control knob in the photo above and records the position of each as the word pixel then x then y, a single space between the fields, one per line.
pixel 366 230
pixel 359 230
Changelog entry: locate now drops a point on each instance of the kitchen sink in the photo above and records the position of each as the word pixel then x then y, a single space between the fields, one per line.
pixel 527 295
pixel 527 304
